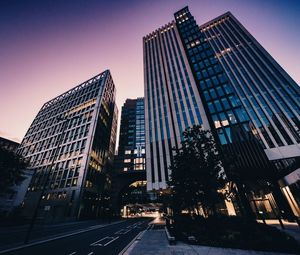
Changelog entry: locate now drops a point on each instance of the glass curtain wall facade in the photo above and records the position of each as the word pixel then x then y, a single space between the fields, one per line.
pixel 72 136
pixel 171 101
pixel 269 95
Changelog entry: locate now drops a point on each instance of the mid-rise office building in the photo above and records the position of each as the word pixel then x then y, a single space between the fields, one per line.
pixel 219 70
pixel 129 184
pixel 131 151
pixel 70 145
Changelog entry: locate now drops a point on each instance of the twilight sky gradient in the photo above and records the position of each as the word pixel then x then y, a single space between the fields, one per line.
pixel 49 46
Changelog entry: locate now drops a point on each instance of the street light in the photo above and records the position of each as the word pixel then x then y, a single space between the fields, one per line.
pixel 63 129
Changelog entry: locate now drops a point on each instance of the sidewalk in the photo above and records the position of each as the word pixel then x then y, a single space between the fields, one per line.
pixel 154 242
pixel 291 228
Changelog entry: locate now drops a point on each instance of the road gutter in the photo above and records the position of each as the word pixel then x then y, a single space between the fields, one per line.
pixel 129 247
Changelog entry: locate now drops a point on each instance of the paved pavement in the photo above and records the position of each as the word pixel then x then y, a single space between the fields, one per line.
pixel 154 242
pixel 109 239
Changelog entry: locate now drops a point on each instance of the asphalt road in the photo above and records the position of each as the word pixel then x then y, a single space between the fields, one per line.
pixel 108 240
pixel 15 235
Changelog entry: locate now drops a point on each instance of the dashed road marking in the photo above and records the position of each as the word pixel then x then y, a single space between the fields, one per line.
pixel 104 241
pixel 122 231
pixel 111 241
pixel 73 253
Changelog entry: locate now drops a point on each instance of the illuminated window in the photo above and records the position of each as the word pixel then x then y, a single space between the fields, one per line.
pixel 128 152
pixel 127 160
pixel 139 160
pixel 139 167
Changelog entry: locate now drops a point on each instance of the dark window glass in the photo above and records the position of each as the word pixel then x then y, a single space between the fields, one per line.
pixel 225 103
pixel 215 80
pixel 211 107
pixel 222 136
pixel 208 83
pixel 206 95
pixel 218 105
pixel 220 91
pixel 213 93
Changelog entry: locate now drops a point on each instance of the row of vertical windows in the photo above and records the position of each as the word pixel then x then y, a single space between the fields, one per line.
pixel 254 78
pixel 50 140
pixel 239 52
pixel 224 107
pixel 237 85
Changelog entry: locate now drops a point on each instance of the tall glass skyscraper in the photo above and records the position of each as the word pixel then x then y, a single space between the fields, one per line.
pixel 220 71
pixel 73 136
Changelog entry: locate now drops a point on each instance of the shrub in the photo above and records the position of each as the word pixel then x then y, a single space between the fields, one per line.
pixel 234 232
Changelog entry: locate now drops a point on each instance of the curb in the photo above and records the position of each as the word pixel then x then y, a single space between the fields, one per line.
pixel 129 247
pixel 56 238
pixel 171 239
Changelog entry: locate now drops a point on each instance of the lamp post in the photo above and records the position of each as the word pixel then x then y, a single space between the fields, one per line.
pixel 64 121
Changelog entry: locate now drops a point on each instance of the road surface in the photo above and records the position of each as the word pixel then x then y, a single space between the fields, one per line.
pixel 110 240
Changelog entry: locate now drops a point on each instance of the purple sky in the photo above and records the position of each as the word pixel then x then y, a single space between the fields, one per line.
pixel 49 46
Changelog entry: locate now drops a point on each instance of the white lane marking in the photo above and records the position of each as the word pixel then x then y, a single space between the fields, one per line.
pixel 122 231
pixel 91 253
pixel 96 243
pixel 108 240
pixel 73 253
pixel 111 241
pixel 119 231
pixel 132 226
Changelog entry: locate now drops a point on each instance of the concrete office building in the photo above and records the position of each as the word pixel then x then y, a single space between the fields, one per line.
pixel 172 101
pixel 70 144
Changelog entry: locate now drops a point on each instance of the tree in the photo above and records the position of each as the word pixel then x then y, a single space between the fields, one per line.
pixel 196 172
pixel 11 170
